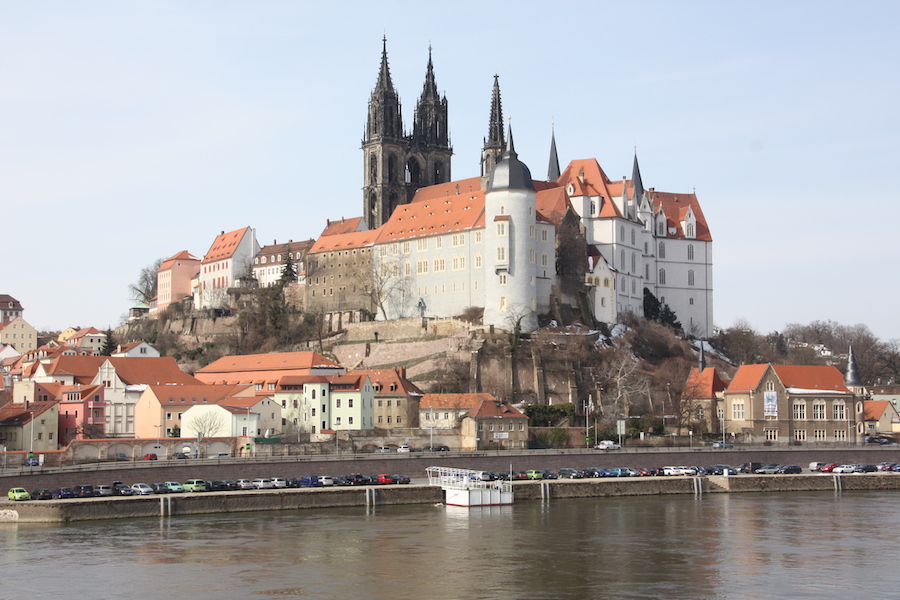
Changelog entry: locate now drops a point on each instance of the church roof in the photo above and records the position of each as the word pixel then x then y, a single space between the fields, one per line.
pixel 676 208
pixel 344 226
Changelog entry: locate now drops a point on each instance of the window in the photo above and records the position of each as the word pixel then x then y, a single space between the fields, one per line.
pixel 490 426
pixel 314 393
pixel 699 413
pixel 838 411
pixel 771 435
pixel 350 403
pixel 477 261
pixel 800 410
pixel 405 247
pixel 438 243
pixel 544 234
pixel 737 411
pixel 477 237
pixel 502 279
pixel 421 267
pixel 501 253
pixel 389 419
pixel 422 244
pixel 398 419
pixel 337 403
pixel 544 260
pixel 349 420
pixel 840 435
pixel 818 410
pixel 271 386
pixel 819 435
pixel 531 232
pixel 662 250
pixel 690 252
pixel 632 237
pixel 501 229
pixel 314 412
pixel 337 421
pixel 439 265
pixel 691 277
pixel 690 230
pixel 800 435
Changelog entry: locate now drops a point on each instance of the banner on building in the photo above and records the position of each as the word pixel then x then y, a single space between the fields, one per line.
pixel 770 404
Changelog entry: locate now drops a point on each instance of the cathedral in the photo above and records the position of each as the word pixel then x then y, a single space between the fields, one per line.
pixel 504 241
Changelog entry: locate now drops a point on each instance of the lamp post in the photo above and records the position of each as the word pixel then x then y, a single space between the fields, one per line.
pixel 588 409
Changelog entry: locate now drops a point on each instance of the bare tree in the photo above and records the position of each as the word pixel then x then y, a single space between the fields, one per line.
pixel 624 383
pixel 144 289
pixel 386 284
pixel 207 424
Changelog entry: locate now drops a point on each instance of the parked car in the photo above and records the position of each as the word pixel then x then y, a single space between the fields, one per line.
pixel 400 478
pixel 437 449
pixel 341 481
pixel 215 486
pixel 263 483
pixel 42 494
pixel 534 474
pixel 750 467
pixel 18 493
pixel 219 455
pixel 549 474
pixel 844 469
pixel 721 444
pixel 244 484
pixel 867 469
pixel 885 466
pixel 159 488
pixel 570 474
pixel 150 456
pixel 194 485
pixel 828 467
pixel 403 448
pixel 723 469
pixel 607 445
pixel 355 479
pixel 790 470
pixel 678 471
pixel 310 481
pixel 32 462
pixel 815 466
pixel 83 491
pixel 63 493
pixel 141 489
pixel 180 456
pixel 326 480
pixel 383 450
pixel 121 489
pixel 103 490
pixel 385 478
pixel 880 439
pixel 279 482
pixel 767 470
pixel 228 485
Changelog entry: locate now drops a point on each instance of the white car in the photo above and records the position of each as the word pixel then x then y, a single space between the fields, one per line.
pixel 325 480
pixel 263 484
pixel 244 484
pixel 678 471
pixel 607 445
pixel 844 469
pixel 279 482
pixel 141 489
pixel 403 448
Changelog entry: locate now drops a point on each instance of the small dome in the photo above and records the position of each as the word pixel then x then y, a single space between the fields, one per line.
pixel 510 173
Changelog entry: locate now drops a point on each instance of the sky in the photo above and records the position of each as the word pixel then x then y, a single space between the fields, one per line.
pixel 130 131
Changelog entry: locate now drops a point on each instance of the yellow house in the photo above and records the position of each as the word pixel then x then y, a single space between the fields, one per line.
pixel 160 409
pixel 19 334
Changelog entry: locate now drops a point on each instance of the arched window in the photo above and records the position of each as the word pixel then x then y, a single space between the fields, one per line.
pixel 690 230
pixel 690 252
pixel 633 262
pixel 593 208
pixel 662 250
pixel 662 276
pixel 691 277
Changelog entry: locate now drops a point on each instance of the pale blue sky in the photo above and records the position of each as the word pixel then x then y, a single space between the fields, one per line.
pixel 132 130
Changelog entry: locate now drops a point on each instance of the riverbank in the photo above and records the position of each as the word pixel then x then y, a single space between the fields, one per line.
pixel 91 509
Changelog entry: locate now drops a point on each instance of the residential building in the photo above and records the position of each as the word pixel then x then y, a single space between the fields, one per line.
pixel 136 349
pixel 161 408
pixel 174 279
pixel 446 411
pixel 264 371
pixel 494 424
pixel 30 426
pixel 10 309
pixel 229 257
pixel 880 418
pixel 87 337
pixel 18 334
pixel 703 399
pixel 396 397
pixel 270 261
pixel 218 420
pixel 789 404
pixel 351 403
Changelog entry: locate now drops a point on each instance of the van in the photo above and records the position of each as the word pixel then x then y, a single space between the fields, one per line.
pixel 383 450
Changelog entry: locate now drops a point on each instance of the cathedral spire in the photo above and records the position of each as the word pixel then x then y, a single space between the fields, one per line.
pixel 495 143
pixel 384 105
pixel 553 169
pixel 430 122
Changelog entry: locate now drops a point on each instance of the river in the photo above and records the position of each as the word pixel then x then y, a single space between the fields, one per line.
pixel 740 546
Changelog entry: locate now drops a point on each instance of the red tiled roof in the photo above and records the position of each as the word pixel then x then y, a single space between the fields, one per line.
pixel 385 377
pixel 345 241
pixel 676 207
pixel 225 245
pixel 454 400
pixel 277 361
pixel 149 370
pixel 703 385
pixel 344 226
pixel 874 409
pixel 801 377
pixel 494 409
pixel 170 262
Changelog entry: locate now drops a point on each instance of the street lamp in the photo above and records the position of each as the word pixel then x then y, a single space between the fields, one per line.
pixel 588 409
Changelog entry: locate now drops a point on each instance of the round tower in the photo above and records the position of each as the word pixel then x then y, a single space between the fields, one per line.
pixel 509 219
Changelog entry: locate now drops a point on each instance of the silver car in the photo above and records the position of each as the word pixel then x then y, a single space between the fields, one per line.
pixel 263 484
pixel 141 489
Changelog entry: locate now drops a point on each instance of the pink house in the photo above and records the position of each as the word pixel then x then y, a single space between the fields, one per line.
pixel 174 277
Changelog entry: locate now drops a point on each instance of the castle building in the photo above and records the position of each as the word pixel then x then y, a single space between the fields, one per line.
pixel 398 163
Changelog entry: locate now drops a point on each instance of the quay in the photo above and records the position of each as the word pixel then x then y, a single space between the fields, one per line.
pixel 171 505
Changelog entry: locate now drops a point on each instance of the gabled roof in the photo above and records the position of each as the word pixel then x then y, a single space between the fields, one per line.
pixel 703 385
pixel 676 207
pixel 348 382
pixel 384 378
pixel 345 241
pixel 495 409
pixel 344 226
pixel 874 409
pixel 278 361
pixel 171 395
pixel 225 245
pixel 149 370
pixel 588 179
pixel 9 303
pixel 796 378
pixel 467 401
pixel 290 246
pixel 17 414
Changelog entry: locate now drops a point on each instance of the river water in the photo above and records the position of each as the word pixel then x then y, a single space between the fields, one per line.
pixel 741 546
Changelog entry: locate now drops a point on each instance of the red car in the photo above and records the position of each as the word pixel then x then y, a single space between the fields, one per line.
pixel 150 456
pixel 828 468
pixel 385 478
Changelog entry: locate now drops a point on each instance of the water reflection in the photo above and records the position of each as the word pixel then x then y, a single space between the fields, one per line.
pixel 717 546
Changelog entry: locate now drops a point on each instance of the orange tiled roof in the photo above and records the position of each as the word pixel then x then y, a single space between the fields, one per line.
pixel 385 377
pixel 149 370
pixel 347 382
pixel 225 245
pixel 676 207
pixel 344 226
pixel 436 210
pixel 798 377
pixel 277 361
pixel 703 385
pixel 16 414
pixel 454 400
pixel 170 395
pixel 874 409
pixel 494 409
pixel 345 241
pixel 588 179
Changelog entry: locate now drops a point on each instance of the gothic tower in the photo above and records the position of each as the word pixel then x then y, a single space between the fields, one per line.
pixel 428 158
pixel 396 164
pixel 384 150
pixel 495 143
